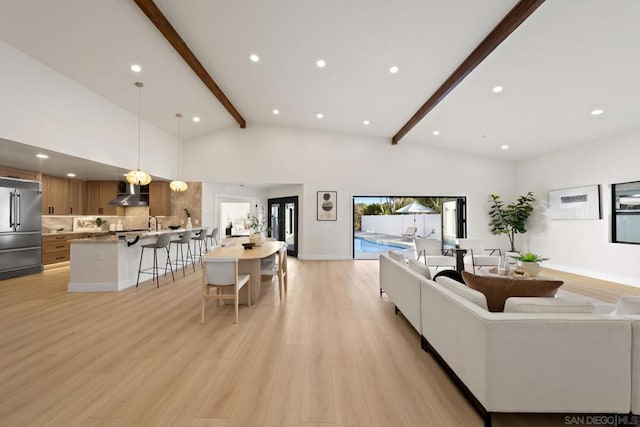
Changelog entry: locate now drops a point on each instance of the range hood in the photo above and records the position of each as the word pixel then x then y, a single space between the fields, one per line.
pixel 130 198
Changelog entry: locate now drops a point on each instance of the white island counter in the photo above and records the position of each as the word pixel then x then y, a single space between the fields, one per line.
pixel 107 264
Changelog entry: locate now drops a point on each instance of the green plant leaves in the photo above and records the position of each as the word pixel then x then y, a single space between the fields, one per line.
pixel 512 218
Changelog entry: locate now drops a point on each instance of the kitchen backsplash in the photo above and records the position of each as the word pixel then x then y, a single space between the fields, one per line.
pixel 64 223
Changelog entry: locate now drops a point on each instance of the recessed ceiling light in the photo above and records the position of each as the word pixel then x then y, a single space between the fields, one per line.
pixel 321 63
pixel 276 112
pixel 504 147
pixel 254 58
pixel 394 69
pixel 436 132
pixel 497 89
pixel 136 68
pixel 319 115
pixel 71 175
pixel 42 156
pixel 196 119
pixel 597 112
pixel 365 122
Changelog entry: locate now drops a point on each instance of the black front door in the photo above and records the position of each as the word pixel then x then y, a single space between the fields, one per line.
pixel 283 222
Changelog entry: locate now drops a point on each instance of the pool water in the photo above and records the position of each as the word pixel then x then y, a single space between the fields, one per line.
pixel 362 245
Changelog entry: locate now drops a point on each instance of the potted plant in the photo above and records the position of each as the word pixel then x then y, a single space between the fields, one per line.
pixel 257 238
pixel 510 219
pixel 188 215
pixel 529 262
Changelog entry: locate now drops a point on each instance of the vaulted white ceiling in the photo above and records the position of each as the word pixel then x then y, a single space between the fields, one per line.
pixel 566 60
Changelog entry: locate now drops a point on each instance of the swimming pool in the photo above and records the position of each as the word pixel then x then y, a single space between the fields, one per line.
pixel 363 245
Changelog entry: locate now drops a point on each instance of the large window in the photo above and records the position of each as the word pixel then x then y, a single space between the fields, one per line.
pixel 626 212
pixel 381 223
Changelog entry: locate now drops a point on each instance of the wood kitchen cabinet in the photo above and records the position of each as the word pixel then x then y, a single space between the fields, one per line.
pixel 19 174
pixel 55 195
pixel 56 247
pixel 77 192
pixel 99 193
pixel 159 198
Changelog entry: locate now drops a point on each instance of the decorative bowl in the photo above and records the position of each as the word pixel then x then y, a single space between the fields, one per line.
pixel 248 245
pixel 174 227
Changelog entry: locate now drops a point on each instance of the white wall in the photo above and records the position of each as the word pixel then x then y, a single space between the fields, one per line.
pixel 42 108
pixel 351 165
pixel 396 225
pixel 583 246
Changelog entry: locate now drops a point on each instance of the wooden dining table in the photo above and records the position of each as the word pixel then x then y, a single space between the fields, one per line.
pixel 248 262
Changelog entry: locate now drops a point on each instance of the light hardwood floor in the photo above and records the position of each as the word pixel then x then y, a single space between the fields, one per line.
pixel 332 353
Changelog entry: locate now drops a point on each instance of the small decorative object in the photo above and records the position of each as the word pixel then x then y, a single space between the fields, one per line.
pixel 174 227
pixel 575 203
pixel 249 245
pixel 257 238
pixel 99 221
pixel 327 206
pixel 510 219
pixel 528 263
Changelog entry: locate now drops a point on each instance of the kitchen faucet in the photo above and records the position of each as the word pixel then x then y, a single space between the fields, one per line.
pixel 156 218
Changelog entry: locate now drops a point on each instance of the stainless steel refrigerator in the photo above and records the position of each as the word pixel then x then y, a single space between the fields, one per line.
pixel 20 227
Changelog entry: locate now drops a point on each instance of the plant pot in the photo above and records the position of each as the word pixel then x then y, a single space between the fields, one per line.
pixel 532 268
pixel 257 239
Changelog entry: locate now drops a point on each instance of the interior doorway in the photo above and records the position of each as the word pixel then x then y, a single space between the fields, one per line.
pixel 283 222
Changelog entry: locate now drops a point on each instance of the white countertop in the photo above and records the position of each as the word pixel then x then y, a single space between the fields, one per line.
pixel 121 236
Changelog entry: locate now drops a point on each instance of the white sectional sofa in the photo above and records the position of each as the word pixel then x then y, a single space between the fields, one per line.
pixel 520 362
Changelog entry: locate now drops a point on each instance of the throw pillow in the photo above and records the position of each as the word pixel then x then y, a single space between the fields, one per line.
pixel 464 291
pixel 547 305
pixel 627 305
pixel 452 274
pixel 420 268
pixel 498 289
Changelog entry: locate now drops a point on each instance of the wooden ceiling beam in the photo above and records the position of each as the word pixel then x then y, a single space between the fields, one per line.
pixel 512 20
pixel 161 22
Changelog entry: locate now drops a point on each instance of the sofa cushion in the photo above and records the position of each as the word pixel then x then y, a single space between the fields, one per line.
pixel 627 305
pixel 420 268
pixel 397 256
pixel 498 289
pixel 547 305
pixel 469 294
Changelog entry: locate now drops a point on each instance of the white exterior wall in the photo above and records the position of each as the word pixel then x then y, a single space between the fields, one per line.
pixel 396 225
pixel 351 165
pixel 42 108
pixel 583 246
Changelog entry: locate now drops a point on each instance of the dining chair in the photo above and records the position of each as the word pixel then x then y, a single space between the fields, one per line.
pixel 278 268
pixel 221 274
pixel 213 237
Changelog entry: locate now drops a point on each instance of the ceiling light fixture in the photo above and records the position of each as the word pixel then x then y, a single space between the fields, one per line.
pixel 71 175
pixel 254 58
pixel 42 156
pixel 321 63
pixel 504 147
pixel 138 177
pixel 366 122
pixel 436 132
pixel 597 112
pixel 497 89
pixel 136 68
pixel 196 119
pixel 276 112
pixel 394 69
pixel 179 184
pixel 319 115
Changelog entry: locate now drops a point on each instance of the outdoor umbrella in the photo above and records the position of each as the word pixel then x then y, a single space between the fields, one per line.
pixel 415 208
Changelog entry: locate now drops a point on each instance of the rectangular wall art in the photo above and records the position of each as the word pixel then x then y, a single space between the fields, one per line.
pixel 327 205
pixel 575 203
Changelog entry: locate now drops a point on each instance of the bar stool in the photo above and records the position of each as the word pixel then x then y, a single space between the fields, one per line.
pixel 202 237
pixel 180 242
pixel 161 242
pixel 213 236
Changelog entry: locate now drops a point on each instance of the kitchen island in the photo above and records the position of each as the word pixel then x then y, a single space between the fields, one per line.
pixel 110 263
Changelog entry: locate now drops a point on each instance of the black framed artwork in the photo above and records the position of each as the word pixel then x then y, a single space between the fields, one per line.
pixel 327 206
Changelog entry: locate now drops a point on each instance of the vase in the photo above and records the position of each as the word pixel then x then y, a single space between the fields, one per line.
pixel 532 268
pixel 189 225
pixel 257 239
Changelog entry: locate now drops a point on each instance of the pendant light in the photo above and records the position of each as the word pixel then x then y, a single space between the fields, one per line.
pixel 179 184
pixel 138 177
